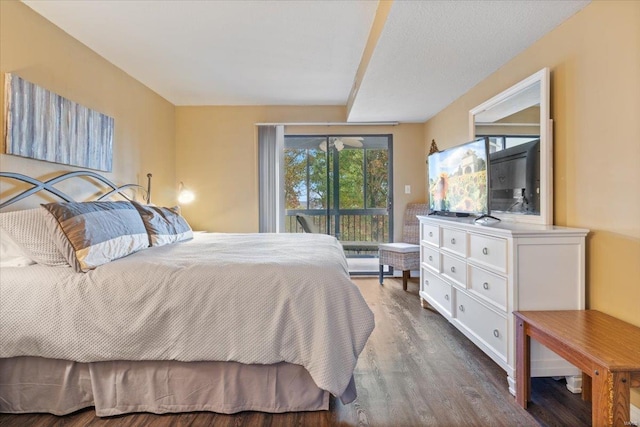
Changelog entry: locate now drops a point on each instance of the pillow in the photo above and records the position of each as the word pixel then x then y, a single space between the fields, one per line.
pixel 164 225
pixel 90 234
pixel 29 231
pixel 10 253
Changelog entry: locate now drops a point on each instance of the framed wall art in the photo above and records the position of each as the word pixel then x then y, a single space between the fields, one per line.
pixel 45 126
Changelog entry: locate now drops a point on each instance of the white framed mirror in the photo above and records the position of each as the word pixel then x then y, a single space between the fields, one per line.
pixel 518 125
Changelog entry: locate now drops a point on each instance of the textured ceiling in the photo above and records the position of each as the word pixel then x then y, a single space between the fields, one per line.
pixel 307 52
pixel 225 52
pixel 432 52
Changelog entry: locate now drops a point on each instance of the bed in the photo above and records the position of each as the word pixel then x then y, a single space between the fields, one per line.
pixel 213 322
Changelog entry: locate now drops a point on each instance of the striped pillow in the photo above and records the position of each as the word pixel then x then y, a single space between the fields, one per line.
pixel 90 234
pixel 164 225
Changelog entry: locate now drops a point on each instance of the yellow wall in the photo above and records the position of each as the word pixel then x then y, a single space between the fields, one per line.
pixel 595 104
pixel 218 160
pixel 38 51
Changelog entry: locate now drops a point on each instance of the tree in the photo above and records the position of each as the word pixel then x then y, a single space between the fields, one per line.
pixel 295 174
pixel 309 185
pixel 317 179
pixel 351 178
pixel 377 178
pixel 295 178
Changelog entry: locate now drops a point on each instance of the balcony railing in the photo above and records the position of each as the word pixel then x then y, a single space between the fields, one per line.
pixel 355 225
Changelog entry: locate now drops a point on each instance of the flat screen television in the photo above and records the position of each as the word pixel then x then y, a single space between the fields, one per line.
pixel 458 181
pixel 515 179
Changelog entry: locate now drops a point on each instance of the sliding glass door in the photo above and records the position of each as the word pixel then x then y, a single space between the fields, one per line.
pixel 341 185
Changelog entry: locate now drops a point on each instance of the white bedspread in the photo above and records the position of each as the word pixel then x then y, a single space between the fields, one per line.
pixel 249 298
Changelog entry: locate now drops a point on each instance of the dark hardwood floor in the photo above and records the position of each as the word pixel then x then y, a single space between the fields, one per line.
pixel 416 370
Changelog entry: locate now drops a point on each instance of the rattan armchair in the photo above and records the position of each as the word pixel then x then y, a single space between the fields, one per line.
pixel 404 255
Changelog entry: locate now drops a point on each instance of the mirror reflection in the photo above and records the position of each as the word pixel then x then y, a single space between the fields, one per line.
pixel 515 122
pixel 513 128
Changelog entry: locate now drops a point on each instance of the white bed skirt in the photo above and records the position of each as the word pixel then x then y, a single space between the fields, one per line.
pixel 34 384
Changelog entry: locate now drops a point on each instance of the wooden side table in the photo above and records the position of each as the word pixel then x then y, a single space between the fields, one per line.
pixel 606 349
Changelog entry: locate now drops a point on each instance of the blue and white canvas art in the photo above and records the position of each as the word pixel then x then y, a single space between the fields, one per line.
pixel 45 126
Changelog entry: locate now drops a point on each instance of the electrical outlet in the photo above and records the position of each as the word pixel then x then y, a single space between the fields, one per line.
pixel 407 189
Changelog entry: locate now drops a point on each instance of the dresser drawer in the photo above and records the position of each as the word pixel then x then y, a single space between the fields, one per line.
pixel 485 324
pixel 488 286
pixel 431 234
pixel 454 269
pixel 431 257
pixel 454 241
pixel 438 291
pixel 490 252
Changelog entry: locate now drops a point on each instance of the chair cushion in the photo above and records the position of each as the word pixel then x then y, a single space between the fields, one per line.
pixel 403 248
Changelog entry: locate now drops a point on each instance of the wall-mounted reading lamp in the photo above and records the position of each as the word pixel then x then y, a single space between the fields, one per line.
pixel 149 188
pixel 185 195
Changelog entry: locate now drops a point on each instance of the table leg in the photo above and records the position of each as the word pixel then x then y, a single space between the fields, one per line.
pixel 523 364
pixel 406 274
pixel 586 387
pixel 610 398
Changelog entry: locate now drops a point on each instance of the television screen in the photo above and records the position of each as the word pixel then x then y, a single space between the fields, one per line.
pixel 458 180
pixel 514 181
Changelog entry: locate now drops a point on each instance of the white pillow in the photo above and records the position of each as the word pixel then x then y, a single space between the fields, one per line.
pixel 29 231
pixel 10 253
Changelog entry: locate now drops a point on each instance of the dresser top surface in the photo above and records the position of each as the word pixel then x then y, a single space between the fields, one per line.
pixel 503 227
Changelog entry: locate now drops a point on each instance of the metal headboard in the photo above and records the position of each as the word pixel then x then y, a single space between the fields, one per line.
pixel 49 186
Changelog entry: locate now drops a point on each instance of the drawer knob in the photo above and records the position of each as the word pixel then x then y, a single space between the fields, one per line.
pixel 453 269
pixel 496 333
pixel 430 258
pixel 426 282
pixel 431 234
pixel 485 285
pixel 446 296
pixel 453 241
pixel 485 251
pixel 461 308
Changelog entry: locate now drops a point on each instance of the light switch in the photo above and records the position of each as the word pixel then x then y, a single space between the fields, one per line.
pixel 407 189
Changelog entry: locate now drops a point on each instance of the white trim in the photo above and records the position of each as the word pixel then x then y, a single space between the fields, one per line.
pixel 508 124
pixel 635 415
pixel 330 124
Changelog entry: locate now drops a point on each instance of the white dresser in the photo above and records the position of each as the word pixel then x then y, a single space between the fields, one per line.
pixel 477 275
